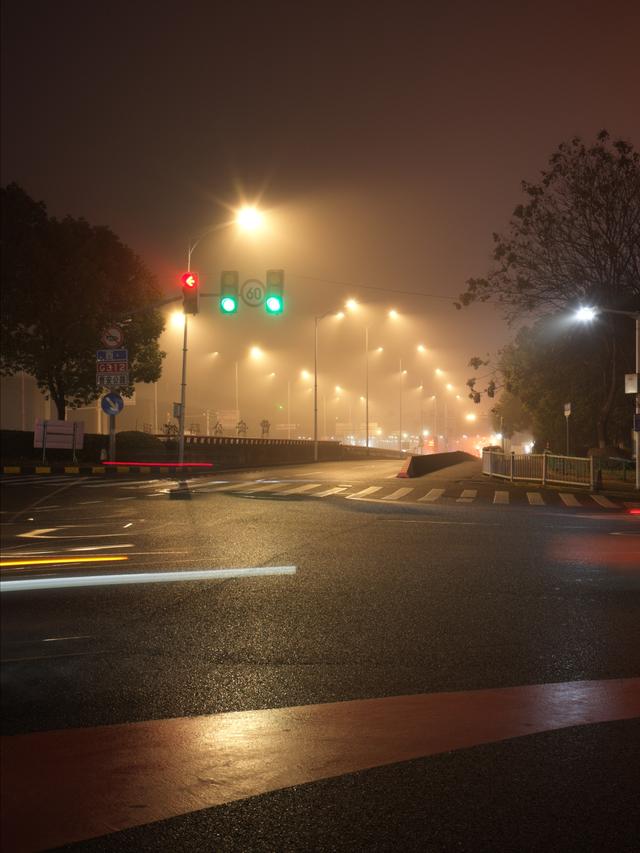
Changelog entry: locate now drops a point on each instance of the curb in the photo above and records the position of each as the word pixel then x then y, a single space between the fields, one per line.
pixel 101 470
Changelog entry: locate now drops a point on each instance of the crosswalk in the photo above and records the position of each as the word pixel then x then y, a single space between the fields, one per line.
pixel 389 493
pixel 416 494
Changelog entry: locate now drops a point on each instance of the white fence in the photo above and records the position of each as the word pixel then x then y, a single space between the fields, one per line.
pixel 539 467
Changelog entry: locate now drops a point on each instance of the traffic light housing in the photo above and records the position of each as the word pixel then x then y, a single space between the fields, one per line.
pixel 274 299
pixel 229 281
pixel 190 292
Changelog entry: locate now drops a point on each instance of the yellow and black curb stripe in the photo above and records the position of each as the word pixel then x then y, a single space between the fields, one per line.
pixel 102 470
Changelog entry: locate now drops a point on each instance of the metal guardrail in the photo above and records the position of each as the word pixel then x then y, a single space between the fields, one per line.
pixel 539 467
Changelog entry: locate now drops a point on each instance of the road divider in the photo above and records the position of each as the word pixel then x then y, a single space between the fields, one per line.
pixel 417 466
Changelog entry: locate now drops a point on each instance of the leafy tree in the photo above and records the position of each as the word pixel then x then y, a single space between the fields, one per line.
pixel 546 366
pixel 575 241
pixel 510 415
pixel 63 282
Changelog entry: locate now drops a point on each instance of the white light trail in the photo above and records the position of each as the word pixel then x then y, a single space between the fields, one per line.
pixel 21 585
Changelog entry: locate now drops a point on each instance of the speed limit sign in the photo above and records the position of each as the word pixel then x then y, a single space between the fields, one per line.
pixel 252 292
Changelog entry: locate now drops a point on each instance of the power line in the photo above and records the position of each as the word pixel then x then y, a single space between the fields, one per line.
pixel 379 289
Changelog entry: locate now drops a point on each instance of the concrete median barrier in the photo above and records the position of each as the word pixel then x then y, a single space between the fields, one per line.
pixel 417 466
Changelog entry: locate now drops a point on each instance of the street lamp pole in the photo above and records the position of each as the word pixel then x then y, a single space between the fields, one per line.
pixel 637 425
pixel 366 387
pixel 586 314
pixel 400 411
pixel 316 320
pixel 315 389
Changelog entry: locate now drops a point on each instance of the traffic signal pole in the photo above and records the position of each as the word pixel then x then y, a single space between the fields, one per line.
pixel 183 393
pixel 183 383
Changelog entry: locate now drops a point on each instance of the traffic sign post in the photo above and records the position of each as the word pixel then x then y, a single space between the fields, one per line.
pixel 567 415
pixel 112 404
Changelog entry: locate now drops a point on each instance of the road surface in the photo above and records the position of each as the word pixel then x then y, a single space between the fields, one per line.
pixel 442 663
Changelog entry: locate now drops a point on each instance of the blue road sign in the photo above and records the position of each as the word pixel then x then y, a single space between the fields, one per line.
pixel 112 404
pixel 112 355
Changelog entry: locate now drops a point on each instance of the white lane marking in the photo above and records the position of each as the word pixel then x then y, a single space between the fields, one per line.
pixel 246 484
pixel 433 521
pixel 432 495
pixel 328 492
pixel 535 499
pixel 270 487
pixel 501 497
pixel 40 533
pixel 32 506
pixel 84 503
pixel 34 479
pixel 141 577
pixel 103 484
pixel 605 502
pixel 102 547
pixel 60 639
pixel 467 495
pixel 298 490
pixel 399 493
pixel 568 499
pixel 369 491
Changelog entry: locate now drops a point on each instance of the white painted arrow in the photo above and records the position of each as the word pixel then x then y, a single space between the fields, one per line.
pixel 41 533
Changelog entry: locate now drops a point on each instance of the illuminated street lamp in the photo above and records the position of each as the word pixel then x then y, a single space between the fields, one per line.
pixel 587 314
pixel 247 218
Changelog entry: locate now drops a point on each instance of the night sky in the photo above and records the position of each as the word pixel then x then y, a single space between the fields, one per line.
pixel 386 141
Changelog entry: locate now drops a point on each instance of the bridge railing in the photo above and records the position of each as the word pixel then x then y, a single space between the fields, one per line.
pixel 539 467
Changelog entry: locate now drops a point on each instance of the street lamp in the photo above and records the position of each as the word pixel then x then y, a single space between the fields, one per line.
pixel 247 218
pixel 587 314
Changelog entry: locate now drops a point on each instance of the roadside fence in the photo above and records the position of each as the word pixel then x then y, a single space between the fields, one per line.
pixel 540 467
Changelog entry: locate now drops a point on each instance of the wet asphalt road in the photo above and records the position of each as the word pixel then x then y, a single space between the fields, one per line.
pixel 387 599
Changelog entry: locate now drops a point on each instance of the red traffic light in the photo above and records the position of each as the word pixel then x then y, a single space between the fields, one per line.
pixel 190 292
pixel 189 279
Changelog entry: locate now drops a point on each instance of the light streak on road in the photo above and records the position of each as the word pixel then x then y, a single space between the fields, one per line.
pixel 55 561
pixel 22 585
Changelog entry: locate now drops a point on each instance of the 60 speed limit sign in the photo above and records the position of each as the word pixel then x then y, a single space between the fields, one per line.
pixel 252 292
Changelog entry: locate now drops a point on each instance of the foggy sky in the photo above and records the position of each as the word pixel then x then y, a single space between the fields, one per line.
pixel 386 142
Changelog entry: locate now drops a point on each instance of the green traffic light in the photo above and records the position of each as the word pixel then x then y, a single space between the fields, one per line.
pixel 274 305
pixel 228 305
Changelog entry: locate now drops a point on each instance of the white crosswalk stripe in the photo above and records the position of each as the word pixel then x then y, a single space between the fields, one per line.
pixel 501 497
pixel 124 483
pixel 568 499
pixel 368 491
pixel 37 479
pixel 432 495
pixel 535 499
pixel 298 490
pixel 263 487
pixel 395 496
pixel 605 502
pixel 328 492
pixel 467 495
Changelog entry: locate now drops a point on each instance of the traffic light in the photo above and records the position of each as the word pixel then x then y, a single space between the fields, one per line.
pixel 229 292
pixel 274 300
pixel 190 292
